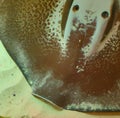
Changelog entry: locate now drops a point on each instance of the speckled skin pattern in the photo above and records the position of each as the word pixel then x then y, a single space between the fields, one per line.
pixel 32 35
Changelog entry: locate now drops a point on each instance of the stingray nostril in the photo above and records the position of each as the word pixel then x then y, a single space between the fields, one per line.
pixel 75 8
pixel 105 14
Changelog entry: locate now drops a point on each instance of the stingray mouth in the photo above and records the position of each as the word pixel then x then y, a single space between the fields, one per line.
pixel 91 37
pixel 88 26
pixel 84 39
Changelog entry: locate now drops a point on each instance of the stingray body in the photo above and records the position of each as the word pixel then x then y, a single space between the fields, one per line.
pixel 69 50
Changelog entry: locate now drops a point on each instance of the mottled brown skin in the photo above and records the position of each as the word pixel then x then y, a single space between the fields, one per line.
pixel 25 25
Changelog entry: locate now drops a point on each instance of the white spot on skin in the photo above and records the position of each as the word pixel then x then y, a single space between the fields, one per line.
pixel 44 80
pixel 85 105
pixel 91 106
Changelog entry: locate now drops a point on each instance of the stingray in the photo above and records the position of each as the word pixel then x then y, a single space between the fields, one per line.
pixel 68 50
